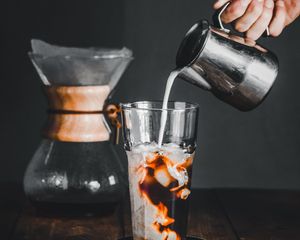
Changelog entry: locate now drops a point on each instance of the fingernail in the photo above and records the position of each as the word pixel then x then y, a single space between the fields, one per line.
pixel 217 4
pixel 260 1
pixel 279 3
pixel 269 4
pixel 240 27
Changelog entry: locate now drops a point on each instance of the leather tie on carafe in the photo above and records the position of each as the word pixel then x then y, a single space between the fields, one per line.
pixel 112 111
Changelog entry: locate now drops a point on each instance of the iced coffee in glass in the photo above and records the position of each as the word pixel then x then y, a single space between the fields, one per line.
pixel 160 146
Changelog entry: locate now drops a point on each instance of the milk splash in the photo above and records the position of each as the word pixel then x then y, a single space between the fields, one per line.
pixel 164 115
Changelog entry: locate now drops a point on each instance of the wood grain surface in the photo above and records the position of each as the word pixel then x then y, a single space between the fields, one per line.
pixel 214 215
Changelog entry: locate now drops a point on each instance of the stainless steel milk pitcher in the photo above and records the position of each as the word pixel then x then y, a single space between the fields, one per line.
pixel 235 69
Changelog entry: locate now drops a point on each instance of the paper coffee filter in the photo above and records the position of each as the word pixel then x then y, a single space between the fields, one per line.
pixel 69 66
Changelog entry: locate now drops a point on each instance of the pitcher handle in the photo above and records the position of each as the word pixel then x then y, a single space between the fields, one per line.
pixel 218 21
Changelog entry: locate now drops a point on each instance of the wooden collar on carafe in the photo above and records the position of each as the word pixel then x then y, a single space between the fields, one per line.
pixel 75 113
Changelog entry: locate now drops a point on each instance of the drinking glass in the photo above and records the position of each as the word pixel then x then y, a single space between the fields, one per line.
pixel 159 172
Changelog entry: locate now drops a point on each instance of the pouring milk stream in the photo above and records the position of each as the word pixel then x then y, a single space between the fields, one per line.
pixel 164 114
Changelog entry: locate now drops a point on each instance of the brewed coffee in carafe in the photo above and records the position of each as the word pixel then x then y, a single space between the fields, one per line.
pixel 76 167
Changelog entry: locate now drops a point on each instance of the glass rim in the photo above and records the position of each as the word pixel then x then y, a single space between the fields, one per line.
pixel 68 57
pixel 130 105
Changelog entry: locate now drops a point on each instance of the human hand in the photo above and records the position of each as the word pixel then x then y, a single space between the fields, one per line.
pixel 254 16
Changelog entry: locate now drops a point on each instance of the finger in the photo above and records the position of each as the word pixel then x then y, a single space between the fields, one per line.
pixel 220 3
pixel 278 22
pixel 258 28
pixel 253 12
pixel 235 10
pixel 292 9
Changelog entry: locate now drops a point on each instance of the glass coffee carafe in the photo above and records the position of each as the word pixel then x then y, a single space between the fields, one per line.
pixel 76 167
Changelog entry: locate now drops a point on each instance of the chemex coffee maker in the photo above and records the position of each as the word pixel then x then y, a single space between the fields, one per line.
pixel 76 167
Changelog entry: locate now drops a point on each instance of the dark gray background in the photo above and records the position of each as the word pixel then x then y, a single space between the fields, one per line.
pixel 258 149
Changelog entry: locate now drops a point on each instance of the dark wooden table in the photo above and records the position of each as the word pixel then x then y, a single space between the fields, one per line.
pixel 222 214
